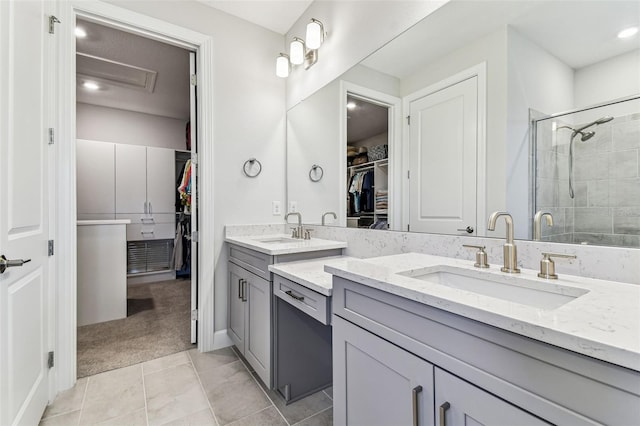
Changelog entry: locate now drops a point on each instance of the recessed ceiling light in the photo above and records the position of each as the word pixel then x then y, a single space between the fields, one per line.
pixel 351 105
pixel 91 85
pixel 628 32
pixel 80 33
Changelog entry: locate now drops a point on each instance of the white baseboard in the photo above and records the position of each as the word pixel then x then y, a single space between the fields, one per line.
pixel 220 340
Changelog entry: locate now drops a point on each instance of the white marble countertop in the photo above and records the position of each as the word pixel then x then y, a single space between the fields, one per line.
pixel 104 222
pixel 270 245
pixel 603 323
pixel 310 273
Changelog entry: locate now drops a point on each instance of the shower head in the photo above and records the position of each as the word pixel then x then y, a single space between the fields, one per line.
pixel 594 123
pixel 585 136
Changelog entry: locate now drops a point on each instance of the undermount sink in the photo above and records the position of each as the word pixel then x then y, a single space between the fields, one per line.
pixel 277 240
pixel 511 288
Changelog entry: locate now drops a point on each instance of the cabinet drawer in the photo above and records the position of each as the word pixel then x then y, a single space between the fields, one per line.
pixel 158 231
pixel 316 305
pixel 251 260
pixel 144 219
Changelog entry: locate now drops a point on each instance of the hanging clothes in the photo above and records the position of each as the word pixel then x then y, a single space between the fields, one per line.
pixel 185 186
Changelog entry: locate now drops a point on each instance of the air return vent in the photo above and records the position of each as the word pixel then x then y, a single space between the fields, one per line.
pixel 115 73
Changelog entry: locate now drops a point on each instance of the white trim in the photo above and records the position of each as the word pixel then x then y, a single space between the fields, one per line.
pixel 66 245
pixel 221 339
pixel 479 71
pixel 394 104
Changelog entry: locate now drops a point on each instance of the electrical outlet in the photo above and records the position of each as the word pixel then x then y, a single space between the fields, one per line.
pixel 275 208
pixel 293 206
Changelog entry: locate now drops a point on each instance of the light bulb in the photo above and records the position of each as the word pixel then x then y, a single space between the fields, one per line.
pixel 80 33
pixel 91 85
pixel 315 34
pixel 282 66
pixel 296 51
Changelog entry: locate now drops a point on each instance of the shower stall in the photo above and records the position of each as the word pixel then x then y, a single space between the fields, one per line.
pixel 586 167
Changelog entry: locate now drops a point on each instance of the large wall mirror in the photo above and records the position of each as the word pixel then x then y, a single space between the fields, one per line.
pixel 482 106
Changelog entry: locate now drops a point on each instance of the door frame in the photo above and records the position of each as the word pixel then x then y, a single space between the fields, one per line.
pixel 65 171
pixel 479 71
pixel 394 104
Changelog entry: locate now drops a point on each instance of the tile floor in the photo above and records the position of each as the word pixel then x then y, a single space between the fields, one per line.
pixel 186 388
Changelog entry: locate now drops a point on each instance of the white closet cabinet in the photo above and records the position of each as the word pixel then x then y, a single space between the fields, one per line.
pixel 96 195
pixel 131 179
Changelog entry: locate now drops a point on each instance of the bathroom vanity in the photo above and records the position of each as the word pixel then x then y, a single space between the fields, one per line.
pixel 250 290
pixel 413 343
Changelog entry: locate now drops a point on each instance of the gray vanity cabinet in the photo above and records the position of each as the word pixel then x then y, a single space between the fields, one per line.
pixel 386 345
pixel 250 318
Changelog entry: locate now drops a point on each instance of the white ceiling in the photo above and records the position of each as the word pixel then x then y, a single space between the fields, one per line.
pixel 365 120
pixel 276 15
pixel 124 54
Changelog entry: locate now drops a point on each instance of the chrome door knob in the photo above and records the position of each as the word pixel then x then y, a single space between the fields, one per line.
pixel 468 229
pixel 6 263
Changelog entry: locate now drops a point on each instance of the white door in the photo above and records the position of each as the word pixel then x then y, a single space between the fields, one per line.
pixel 443 160
pixel 131 179
pixel 24 222
pixel 194 200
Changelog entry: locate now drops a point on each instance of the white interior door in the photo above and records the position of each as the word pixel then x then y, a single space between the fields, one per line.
pixel 24 230
pixel 443 160
pixel 194 201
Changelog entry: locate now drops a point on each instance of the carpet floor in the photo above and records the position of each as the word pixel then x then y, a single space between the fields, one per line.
pixel 158 323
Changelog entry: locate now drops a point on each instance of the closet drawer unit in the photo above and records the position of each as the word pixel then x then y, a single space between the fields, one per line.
pixel 316 305
pixel 251 260
pixel 142 219
pixel 152 231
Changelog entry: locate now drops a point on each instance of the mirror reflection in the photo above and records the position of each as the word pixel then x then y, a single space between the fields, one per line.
pixel 459 117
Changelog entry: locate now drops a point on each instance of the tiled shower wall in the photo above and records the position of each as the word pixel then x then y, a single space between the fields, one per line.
pixel 606 207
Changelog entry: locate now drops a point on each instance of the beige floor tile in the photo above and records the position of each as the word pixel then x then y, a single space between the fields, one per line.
pixel 324 418
pixel 201 418
pixel 329 392
pixel 173 393
pixel 301 409
pixel 232 392
pixel 268 416
pixel 209 360
pixel 68 419
pixel 137 418
pixel 165 362
pixel 113 394
pixel 67 401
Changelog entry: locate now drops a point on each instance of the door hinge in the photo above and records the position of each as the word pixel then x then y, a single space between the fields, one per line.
pixel 52 21
pixel 50 247
pixel 194 158
pixel 194 315
pixel 52 136
pixel 194 80
pixel 50 359
pixel 409 120
pixel 194 236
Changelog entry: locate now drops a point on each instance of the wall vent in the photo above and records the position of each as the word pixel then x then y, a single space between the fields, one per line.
pixel 105 71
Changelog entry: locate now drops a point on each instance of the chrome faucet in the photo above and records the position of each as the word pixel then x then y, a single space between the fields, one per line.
pixel 510 252
pixel 537 219
pixel 328 213
pixel 298 231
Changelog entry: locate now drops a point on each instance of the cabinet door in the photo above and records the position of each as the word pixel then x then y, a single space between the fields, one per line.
pixel 258 320
pixel 376 382
pixel 96 179
pixel 462 403
pixel 235 328
pixel 161 181
pixel 131 179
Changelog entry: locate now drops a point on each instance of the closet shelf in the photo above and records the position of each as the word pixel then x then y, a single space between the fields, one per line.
pixel 370 165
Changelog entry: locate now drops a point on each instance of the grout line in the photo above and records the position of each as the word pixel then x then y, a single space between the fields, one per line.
pixel 144 395
pixel 248 415
pixel 328 396
pixel 84 398
pixel 213 413
pixel 266 394
pixel 314 414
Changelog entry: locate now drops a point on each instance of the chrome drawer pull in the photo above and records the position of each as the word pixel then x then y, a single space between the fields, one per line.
pixel 414 398
pixel 443 411
pixel 290 293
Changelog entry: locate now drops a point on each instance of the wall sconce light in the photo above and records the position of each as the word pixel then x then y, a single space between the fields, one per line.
pixel 301 52
pixel 282 65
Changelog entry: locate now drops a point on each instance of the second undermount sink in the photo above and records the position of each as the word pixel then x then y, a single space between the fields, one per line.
pixel 511 288
pixel 277 240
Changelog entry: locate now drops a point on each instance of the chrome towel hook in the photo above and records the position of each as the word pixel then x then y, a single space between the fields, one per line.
pixel 248 165
pixel 316 173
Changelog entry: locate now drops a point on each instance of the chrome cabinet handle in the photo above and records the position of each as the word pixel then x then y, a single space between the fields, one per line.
pixel 6 263
pixel 151 209
pixel 146 232
pixel 295 296
pixel 443 411
pixel 414 397
pixel 468 229
pixel 240 288
pixel 145 207
pixel 244 290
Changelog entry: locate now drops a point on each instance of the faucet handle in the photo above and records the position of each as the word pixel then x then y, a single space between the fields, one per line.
pixel 307 234
pixel 481 256
pixel 548 266
pixel 294 232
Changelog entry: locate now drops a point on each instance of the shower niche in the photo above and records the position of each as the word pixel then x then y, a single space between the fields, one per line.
pixel 587 174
